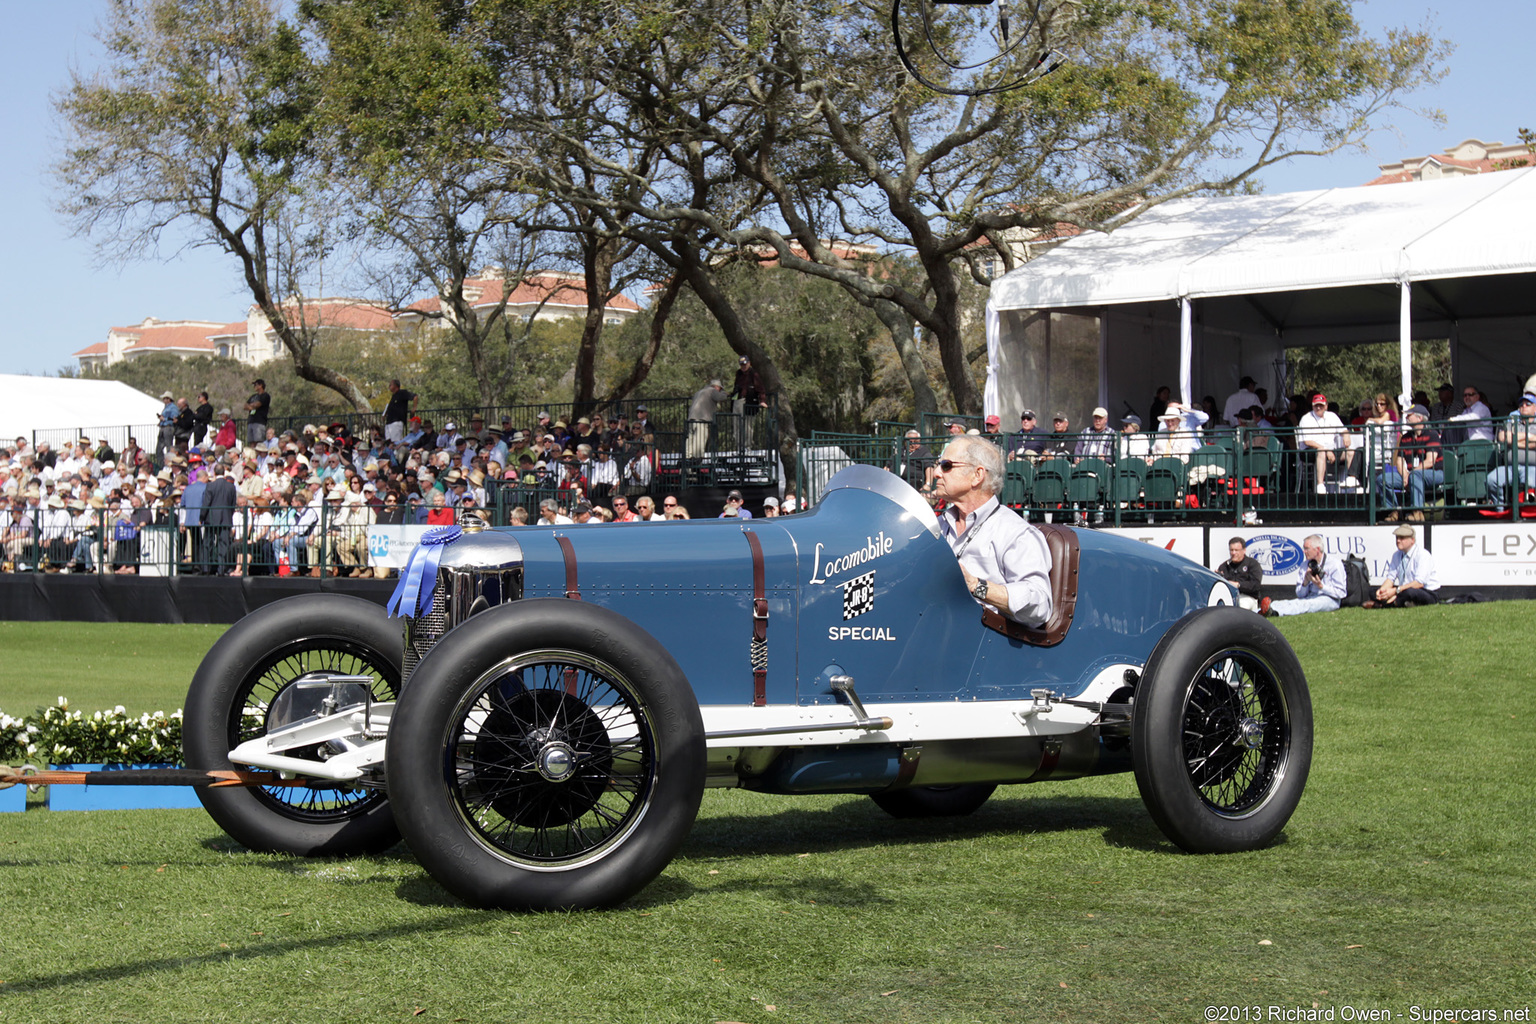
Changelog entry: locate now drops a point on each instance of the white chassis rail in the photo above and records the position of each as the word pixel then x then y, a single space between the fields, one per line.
pixel 354 736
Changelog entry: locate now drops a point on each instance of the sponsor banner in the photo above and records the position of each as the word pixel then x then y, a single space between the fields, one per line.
pixel 1188 541
pixel 1278 548
pixel 1485 555
pixel 390 547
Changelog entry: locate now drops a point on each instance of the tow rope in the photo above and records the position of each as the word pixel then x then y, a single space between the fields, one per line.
pixel 32 776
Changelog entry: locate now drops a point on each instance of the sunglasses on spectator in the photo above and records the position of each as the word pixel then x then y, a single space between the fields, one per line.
pixel 948 464
pixel 669 504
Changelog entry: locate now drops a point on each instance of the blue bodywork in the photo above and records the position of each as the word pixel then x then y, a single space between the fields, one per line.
pixel 861 585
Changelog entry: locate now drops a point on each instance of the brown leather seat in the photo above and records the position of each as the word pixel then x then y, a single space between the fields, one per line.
pixel 1061 541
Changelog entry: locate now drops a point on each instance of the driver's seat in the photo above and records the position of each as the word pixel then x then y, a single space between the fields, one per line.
pixel 1061 541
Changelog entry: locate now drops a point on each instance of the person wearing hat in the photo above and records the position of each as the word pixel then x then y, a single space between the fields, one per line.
pixel 1518 437
pixel 1132 443
pixel 256 409
pixel 1098 441
pixel 1445 405
pixel 702 409
pixel 1061 442
pixel 990 429
pixel 1028 442
pixel 1415 466
pixel 166 439
pixel 770 507
pixel 1178 431
pixel 734 507
pixel 56 532
pixel 1322 432
pixel 1410 576
pixel 17 529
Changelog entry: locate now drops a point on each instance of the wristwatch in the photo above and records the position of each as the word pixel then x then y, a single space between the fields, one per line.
pixel 979 591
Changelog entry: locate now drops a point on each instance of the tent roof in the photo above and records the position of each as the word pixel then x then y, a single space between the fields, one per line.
pixel 30 404
pixel 1241 245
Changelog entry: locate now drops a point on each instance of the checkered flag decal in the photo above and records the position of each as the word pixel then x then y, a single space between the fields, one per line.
pixel 858 596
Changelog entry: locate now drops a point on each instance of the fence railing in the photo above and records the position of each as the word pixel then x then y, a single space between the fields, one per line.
pixel 1455 469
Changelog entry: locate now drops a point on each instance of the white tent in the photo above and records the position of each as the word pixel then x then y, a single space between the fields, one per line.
pixel 54 408
pixel 1234 280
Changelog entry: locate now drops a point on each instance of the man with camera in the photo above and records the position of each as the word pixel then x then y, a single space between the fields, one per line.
pixel 1321 587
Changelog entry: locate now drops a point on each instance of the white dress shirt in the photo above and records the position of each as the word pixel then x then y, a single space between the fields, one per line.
pixel 1002 548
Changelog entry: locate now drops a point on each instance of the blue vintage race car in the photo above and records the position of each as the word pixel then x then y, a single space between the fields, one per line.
pixel 540 718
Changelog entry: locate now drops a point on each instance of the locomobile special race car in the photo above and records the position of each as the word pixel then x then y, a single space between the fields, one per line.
pixel 540 709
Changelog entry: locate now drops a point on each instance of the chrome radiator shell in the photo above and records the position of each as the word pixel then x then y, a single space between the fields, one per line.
pixel 477 571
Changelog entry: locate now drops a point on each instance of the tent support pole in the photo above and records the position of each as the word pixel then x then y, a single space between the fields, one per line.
pixel 1186 350
pixel 1405 340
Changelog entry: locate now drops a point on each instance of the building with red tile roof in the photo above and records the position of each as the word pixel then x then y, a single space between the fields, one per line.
pixel 543 295
pixel 1472 156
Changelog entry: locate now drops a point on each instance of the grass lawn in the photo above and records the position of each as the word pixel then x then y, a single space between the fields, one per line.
pixel 1406 879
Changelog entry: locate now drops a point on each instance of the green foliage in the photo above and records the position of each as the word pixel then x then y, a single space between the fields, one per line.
pixel 59 734
pixel 1348 374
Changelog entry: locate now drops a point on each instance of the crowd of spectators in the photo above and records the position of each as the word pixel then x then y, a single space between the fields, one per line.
pixel 301 501
pixel 1376 447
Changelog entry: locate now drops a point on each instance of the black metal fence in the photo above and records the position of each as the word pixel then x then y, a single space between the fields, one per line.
pixel 1372 473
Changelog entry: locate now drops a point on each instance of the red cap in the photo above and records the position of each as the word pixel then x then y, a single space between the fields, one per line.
pixel 1319 399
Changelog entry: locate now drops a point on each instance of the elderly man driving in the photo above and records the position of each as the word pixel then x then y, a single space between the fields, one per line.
pixel 1004 559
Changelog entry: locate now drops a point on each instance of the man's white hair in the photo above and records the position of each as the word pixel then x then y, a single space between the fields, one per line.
pixel 980 452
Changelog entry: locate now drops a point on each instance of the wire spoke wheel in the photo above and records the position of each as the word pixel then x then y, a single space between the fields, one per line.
pixel 234 697
pixel 1236 732
pixel 1221 732
pixel 547 755
pixel 554 758
pixel 307 660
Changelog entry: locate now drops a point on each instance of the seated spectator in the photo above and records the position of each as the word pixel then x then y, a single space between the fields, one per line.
pixel 1445 405
pixel 1178 432
pixel 1060 443
pixel 1028 443
pixel 645 509
pixel 735 507
pixel 1098 441
pixel 770 508
pixel 1410 577
pixel 549 514
pixel 1321 587
pixel 1519 436
pixel 912 461
pixel 1244 573
pixel 1476 416
pixel 1417 461
pixel 1132 443
pixel 1322 432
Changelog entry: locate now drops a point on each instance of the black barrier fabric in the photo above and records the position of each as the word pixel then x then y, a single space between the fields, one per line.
pixel 29 597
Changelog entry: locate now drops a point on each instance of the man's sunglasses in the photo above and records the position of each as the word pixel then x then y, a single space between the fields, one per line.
pixel 948 464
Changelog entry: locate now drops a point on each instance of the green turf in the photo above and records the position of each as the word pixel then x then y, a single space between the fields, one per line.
pixel 99 665
pixel 1405 880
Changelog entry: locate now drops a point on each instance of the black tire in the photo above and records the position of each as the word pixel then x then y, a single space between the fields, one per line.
pixel 548 755
pixel 258 657
pixel 1221 734
pixel 934 801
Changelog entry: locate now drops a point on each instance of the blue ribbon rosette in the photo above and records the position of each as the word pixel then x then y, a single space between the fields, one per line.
pixel 410 597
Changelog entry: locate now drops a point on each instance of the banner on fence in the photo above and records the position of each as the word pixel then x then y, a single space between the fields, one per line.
pixel 1188 541
pixel 390 547
pixel 1278 548
pixel 1491 555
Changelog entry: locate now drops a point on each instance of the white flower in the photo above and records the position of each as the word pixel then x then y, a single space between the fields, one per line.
pixel 119 710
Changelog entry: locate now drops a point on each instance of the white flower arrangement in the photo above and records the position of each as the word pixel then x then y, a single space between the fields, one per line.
pixel 59 735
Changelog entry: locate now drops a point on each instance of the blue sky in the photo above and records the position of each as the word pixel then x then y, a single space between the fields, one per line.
pixel 58 299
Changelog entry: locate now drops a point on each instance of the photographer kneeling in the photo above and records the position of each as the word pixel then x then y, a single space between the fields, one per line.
pixel 1322 583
